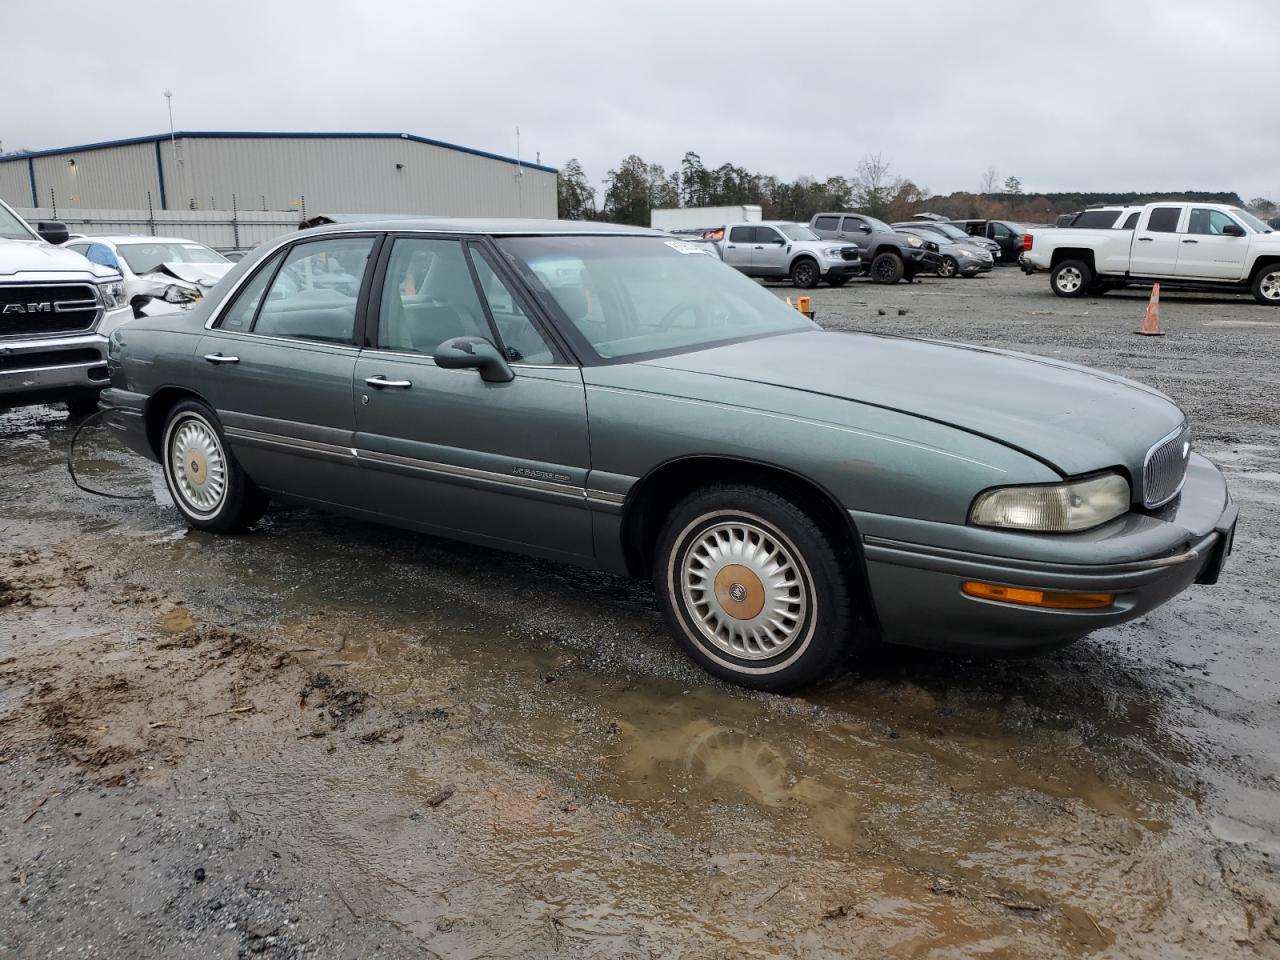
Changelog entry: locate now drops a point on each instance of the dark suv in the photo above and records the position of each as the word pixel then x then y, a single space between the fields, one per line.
pixel 888 256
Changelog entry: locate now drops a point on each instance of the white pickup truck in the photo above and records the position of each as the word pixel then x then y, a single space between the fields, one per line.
pixel 1195 245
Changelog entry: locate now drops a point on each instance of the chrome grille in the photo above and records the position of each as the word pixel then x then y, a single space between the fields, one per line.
pixel 39 309
pixel 1166 467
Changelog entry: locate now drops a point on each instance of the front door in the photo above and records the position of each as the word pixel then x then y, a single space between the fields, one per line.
pixel 851 231
pixel 737 247
pixel 278 368
pixel 497 463
pixel 1156 243
pixel 1206 252
pixel 768 253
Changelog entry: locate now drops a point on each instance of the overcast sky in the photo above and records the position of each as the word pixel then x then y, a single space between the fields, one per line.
pixel 1081 95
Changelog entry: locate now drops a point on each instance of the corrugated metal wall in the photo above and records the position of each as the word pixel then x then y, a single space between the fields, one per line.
pixel 333 175
pixel 220 229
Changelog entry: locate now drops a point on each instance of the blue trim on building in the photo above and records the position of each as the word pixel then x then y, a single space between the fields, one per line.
pixel 31 172
pixel 164 205
pixel 275 135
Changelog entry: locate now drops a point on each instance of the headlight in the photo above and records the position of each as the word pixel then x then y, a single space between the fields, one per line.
pixel 112 294
pixel 176 294
pixel 965 252
pixel 914 242
pixel 832 253
pixel 1055 508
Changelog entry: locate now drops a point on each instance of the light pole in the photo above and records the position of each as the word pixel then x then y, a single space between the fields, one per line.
pixel 173 143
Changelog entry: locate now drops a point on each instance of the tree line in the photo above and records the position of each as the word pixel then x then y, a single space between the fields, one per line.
pixel 635 187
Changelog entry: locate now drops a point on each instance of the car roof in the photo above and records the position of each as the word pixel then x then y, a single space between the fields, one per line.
pixel 496 226
pixel 128 238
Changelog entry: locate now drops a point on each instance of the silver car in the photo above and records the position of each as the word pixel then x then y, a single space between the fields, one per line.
pixel 959 259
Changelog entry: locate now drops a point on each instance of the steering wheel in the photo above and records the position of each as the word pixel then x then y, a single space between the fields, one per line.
pixel 684 306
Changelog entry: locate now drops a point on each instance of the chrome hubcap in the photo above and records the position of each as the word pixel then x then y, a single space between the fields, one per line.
pixel 1069 280
pixel 745 590
pixel 198 466
pixel 1270 286
pixel 947 268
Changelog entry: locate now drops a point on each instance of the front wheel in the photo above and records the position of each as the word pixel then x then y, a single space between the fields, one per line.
pixel 804 273
pixel 753 589
pixel 1266 285
pixel 1071 278
pixel 948 267
pixel 888 268
pixel 208 486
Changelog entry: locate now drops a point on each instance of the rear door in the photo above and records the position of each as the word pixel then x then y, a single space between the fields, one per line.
pixel 1205 252
pixel 278 364
pixel 737 247
pixel 497 463
pixel 1156 241
pixel 769 252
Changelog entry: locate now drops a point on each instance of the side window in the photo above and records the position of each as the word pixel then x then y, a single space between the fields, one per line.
pixel 313 296
pixel 852 224
pixel 768 235
pixel 1211 222
pixel 1000 231
pixel 100 254
pixel 428 297
pixel 520 338
pixel 741 234
pixel 1132 220
pixel 239 318
pixel 1164 219
pixel 826 223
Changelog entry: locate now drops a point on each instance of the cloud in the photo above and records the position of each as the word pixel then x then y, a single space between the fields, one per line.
pixel 1093 95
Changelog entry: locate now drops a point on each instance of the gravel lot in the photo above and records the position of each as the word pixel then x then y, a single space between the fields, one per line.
pixel 328 739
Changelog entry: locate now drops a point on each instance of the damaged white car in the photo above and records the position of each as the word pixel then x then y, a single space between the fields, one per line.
pixel 168 269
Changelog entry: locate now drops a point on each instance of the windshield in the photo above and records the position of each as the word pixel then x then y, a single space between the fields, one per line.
pixel 1252 222
pixel 879 226
pixel 796 231
pixel 12 228
pixel 145 257
pixel 626 297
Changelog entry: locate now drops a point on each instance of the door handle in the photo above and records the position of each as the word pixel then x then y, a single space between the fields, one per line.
pixel 1145 239
pixel 219 358
pixel 731 247
pixel 380 381
pixel 759 248
pixel 1190 241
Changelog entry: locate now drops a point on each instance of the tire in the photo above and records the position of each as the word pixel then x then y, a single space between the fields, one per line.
pixel 721 611
pixel 82 404
pixel 838 281
pixel 1266 285
pixel 948 267
pixel 887 268
pixel 1071 278
pixel 207 483
pixel 805 273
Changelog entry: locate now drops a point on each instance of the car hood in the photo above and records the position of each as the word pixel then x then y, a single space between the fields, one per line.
pixel 36 256
pixel 1075 419
pixel 203 275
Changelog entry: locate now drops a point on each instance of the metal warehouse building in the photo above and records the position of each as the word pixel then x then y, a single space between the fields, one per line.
pixel 303 172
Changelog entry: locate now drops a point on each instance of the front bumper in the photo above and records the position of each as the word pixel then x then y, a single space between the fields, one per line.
pixel 46 369
pixel 916 568
pixel 971 265
pixel 841 268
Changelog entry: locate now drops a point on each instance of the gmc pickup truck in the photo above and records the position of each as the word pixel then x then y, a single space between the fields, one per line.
pixel 56 309
pixel 1194 245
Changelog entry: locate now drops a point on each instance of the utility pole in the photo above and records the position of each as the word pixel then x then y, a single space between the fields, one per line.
pixel 173 146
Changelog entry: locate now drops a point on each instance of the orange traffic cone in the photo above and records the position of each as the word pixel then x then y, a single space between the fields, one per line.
pixel 1151 322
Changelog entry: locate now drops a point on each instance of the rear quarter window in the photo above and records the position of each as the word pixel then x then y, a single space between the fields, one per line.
pixel 1098 219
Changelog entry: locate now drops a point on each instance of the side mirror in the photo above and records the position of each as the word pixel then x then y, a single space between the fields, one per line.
pixel 1233 230
pixel 865 228
pixel 474 353
pixel 53 232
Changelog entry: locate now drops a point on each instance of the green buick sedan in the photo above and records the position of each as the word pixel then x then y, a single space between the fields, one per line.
pixel 619 398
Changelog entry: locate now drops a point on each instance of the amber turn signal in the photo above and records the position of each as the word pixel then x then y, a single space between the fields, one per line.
pixel 1049 599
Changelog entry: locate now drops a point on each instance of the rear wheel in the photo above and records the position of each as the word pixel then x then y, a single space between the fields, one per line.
pixel 887 268
pixel 804 273
pixel 753 589
pixel 948 267
pixel 208 486
pixel 1071 278
pixel 1266 285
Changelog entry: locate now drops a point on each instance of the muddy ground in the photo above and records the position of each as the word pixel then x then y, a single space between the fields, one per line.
pixel 329 739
